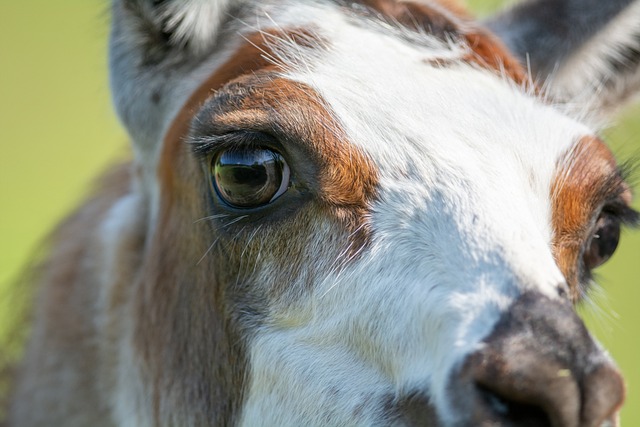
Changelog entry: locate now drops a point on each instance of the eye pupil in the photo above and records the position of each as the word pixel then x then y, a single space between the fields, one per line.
pixel 603 243
pixel 249 178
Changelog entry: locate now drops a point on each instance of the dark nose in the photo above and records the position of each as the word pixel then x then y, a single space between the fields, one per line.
pixel 539 367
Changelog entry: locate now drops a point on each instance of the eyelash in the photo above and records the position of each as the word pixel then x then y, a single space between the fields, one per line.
pixel 206 146
pixel 626 215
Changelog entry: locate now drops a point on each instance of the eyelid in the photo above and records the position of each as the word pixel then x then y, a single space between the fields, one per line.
pixel 204 146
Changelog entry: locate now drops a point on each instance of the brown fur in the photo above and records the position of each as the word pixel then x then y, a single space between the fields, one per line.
pixel 62 352
pixel 182 302
pixel 185 303
pixel 265 102
pixel 576 197
pixel 349 177
pixel 173 286
pixel 249 57
pixel 158 297
pixel 186 294
pixel 489 52
pixel 451 21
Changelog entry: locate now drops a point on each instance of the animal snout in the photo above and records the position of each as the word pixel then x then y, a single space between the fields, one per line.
pixel 539 367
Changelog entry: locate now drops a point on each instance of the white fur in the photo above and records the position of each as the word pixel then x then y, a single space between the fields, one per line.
pixel 195 22
pixel 459 229
pixel 462 227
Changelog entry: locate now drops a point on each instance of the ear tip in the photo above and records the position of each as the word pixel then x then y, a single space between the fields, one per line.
pixel 587 51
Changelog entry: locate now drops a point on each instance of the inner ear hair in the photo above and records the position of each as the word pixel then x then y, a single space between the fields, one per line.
pixel 190 24
pixel 583 51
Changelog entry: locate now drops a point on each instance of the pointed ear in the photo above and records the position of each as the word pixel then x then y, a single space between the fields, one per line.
pixel 155 51
pixel 585 51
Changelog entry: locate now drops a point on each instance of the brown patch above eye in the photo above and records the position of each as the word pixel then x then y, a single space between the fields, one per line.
pixel 259 99
pixel 581 187
pixel 252 56
pixel 444 21
pixel 265 102
pixel 488 52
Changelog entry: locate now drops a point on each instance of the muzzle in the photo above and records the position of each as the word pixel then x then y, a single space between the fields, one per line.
pixel 539 367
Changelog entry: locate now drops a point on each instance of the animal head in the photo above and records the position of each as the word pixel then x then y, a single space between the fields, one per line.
pixel 369 212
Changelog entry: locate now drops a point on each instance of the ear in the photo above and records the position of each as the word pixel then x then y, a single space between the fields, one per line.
pixel 585 51
pixel 158 52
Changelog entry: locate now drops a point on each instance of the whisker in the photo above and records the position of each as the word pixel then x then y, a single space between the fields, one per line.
pixel 251 237
pixel 224 226
pixel 335 270
pixel 211 217
pixel 207 251
pixel 240 218
pixel 265 54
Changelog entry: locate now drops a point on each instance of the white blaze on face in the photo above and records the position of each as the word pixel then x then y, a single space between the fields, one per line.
pixel 460 228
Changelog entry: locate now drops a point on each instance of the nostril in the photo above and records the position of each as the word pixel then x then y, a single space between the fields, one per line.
pixel 524 388
pixel 604 394
pixel 539 367
pixel 507 411
pixel 563 290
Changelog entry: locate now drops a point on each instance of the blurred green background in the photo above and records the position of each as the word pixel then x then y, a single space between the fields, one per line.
pixel 58 132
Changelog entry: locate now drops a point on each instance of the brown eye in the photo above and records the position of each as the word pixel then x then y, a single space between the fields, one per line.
pixel 603 242
pixel 249 178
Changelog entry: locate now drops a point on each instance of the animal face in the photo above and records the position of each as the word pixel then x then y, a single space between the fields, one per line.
pixel 358 213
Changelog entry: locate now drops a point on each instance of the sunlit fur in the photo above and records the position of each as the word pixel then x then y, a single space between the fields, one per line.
pixel 461 224
pixel 457 190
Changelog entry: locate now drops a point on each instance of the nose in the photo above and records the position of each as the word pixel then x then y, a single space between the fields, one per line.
pixel 539 367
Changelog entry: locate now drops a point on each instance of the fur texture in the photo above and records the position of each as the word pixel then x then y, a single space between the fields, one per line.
pixel 429 192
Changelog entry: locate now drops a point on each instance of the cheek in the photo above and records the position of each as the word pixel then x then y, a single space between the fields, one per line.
pixel 297 378
pixel 284 261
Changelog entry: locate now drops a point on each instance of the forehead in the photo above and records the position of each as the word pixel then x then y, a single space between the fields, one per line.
pixel 419 91
pixel 398 97
pixel 411 100
pixel 409 135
